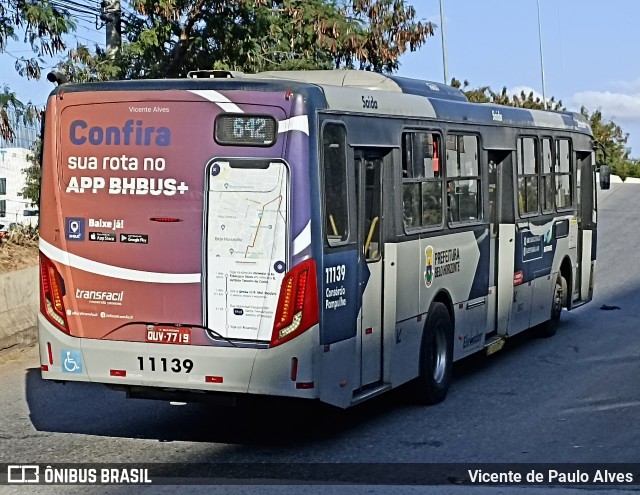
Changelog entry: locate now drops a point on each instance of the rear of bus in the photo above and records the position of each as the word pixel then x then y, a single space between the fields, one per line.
pixel 175 250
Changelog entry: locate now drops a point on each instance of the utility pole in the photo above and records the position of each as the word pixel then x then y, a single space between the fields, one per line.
pixel 444 45
pixel 111 15
pixel 544 96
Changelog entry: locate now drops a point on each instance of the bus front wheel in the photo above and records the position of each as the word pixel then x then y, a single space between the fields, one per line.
pixel 436 357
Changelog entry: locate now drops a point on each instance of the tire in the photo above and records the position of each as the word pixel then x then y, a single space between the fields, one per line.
pixel 550 327
pixel 436 357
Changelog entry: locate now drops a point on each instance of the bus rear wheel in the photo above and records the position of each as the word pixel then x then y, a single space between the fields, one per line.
pixel 550 327
pixel 436 357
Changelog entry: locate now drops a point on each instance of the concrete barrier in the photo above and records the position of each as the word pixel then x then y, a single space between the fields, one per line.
pixel 18 307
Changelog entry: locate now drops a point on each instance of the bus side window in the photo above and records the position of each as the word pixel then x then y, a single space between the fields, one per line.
pixel 422 180
pixel 564 173
pixel 546 184
pixel 527 172
pixel 463 178
pixel 334 163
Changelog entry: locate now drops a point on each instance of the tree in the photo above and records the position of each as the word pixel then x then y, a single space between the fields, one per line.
pixel 607 133
pixel 33 172
pixel 9 103
pixel 613 142
pixel 168 38
pixel 43 26
pixel 485 94
pixel 390 28
pixel 172 37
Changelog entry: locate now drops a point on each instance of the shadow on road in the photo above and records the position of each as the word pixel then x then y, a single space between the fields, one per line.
pixel 567 376
pixel 94 409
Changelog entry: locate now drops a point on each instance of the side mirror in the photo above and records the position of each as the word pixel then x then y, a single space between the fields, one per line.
pixel 605 177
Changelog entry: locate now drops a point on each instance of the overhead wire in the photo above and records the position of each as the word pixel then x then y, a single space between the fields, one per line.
pixel 75 6
pixel 87 16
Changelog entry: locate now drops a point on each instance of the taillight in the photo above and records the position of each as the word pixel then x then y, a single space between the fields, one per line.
pixel 298 303
pixel 518 278
pixel 51 293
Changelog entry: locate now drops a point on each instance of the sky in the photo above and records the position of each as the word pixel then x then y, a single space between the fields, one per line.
pixel 590 53
pixel 589 47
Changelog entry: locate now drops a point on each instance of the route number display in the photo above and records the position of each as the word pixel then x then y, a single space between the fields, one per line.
pixel 246 130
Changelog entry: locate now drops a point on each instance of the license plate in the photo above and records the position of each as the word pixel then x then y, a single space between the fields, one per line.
pixel 169 335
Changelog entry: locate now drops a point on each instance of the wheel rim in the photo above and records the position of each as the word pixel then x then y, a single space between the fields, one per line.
pixel 557 301
pixel 439 354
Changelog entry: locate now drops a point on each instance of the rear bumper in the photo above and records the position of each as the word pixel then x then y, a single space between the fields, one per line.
pixel 215 369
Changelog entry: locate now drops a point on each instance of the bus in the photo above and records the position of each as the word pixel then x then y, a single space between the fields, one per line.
pixel 326 235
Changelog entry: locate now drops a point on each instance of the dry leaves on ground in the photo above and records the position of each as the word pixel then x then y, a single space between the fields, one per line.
pixel 15 257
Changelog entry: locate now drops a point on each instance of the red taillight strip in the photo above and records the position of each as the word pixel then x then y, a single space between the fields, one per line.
pixel 44 275
pixel 51 294
pixel 287 289
pixel 56 291
pixel 297 309
pixel 302 286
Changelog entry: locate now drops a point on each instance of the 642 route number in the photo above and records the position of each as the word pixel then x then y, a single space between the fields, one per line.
pixel 165 364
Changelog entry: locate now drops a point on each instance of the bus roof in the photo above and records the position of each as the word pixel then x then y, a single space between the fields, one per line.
pixel 420 99
pixel 363 92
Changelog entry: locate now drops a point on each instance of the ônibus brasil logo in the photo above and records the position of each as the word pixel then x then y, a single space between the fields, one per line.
pixel 428 266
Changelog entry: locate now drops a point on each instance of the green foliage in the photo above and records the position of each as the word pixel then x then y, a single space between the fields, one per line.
pixel 610 136
pixel 613 144
pixel 25 113
pixel 81 65
pixel 171 37
pixel 43 26
pixel 390 28
pixel 33 172
pixel 485 94
pixel 168 38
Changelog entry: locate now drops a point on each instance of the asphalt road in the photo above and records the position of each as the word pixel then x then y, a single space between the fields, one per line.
pixel 573 398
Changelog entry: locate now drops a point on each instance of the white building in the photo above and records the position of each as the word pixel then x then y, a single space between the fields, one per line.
pixel 13 207
pixel 13 160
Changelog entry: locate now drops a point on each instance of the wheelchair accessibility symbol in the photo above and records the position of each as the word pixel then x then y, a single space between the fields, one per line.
pixel 71 361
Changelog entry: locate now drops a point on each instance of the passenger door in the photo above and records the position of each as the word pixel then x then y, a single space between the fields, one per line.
pixel 369 172
pixel 503 234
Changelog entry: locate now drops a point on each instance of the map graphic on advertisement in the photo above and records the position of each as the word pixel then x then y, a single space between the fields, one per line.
pixel 246 248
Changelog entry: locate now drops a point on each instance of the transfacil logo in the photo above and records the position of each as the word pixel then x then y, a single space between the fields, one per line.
pixel 95 295
pixel 23 474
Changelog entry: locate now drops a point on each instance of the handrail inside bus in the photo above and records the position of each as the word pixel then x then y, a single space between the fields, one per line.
pixel 333 225
pixel 371 229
